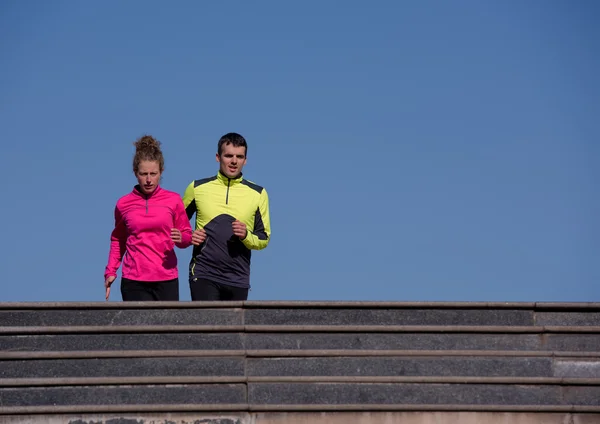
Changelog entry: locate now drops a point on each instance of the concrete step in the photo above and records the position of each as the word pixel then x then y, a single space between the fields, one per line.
pixel 303 341
pixel 119 317
pixel 423 341
pixel 116 342
pixel 123 367
pixel 521 367
pixel 297 314
pixel 214 394
pixel 425 366
pixel 304 394
pixel 387 317
pixel 416 393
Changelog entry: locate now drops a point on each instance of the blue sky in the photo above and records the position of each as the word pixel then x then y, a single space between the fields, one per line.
pixel 412 150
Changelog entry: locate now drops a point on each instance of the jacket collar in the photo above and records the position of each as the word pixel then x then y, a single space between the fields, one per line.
pixel 138 192
pixel 228 181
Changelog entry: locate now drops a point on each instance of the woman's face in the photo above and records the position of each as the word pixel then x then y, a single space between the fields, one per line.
pixel 148 176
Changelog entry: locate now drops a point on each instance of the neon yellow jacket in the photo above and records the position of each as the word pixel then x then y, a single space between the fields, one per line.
pixel 217 201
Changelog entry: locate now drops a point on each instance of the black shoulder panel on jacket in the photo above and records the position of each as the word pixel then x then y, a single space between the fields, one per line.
pixel 204 181
pixel 253 186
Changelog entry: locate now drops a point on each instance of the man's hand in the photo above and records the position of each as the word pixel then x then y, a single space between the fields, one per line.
pixel 175 235
pixel 198 237
pixel 107 283
pixel 239 229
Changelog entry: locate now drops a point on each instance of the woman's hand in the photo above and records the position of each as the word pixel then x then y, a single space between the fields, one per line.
pixel 107 283
pixel 175 235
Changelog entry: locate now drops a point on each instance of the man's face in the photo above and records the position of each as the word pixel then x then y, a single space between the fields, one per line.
pixel 232 160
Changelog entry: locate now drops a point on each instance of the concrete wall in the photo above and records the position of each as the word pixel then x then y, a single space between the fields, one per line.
pixel 314 418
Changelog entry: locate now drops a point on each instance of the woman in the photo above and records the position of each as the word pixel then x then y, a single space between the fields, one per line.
pixel 149 222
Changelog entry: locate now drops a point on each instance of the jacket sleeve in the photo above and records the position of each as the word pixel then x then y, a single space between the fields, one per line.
pixel 118 239
pixel 189 201
pixel 259 237
pixel 182 223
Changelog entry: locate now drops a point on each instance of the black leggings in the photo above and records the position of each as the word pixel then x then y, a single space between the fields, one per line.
pixel 149 290
pixel 202 289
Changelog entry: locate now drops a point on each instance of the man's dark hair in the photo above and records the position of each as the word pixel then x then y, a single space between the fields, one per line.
pixel 234 139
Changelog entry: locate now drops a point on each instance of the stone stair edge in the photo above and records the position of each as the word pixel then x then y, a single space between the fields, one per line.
pixel 287 353
pixel 245 407
pixel 302 305
pixel 251 379
pixel 285 328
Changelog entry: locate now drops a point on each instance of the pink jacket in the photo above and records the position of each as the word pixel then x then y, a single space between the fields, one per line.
pixel 142 235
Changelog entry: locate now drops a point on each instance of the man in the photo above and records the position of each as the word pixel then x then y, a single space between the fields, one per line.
pixel 232 218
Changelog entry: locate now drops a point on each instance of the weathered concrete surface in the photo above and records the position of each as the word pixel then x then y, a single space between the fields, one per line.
pixel 163 418
pixel 424 341
pixel 314 418
pixel 412 366
pixel 388 317
pixel 122 367
pixel 427 418
pixel 420 394
pixel 299 341
pixel 403 341
pixel 584 368
pixel 115 317
pixel 83 342
pixel 123 395
pixel 567 318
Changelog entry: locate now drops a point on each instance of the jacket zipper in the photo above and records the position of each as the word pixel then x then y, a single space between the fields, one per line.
pixel 227 195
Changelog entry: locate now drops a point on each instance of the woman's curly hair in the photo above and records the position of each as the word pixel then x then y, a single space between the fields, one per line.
pixel 147 148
